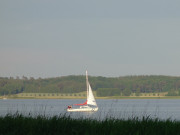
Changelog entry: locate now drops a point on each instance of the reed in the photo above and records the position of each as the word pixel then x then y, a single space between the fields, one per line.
pixel 65 125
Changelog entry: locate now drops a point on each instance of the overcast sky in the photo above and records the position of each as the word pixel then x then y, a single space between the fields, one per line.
pixel 43 38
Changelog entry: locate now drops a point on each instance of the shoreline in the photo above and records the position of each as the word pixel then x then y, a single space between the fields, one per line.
pixel 121 97
pixel 19 124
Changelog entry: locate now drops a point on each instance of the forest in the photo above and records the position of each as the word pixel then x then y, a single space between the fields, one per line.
pixel 104 86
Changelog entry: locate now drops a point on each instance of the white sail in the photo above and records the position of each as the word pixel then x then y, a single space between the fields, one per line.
pixel 90 98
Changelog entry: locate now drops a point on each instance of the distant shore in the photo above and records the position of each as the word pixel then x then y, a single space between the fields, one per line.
pixel 110 97
pixel 82 95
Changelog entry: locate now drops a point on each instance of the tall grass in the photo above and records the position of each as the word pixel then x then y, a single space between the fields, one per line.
pixel 64 125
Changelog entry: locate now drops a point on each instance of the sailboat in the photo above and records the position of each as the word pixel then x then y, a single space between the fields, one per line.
pixel 89 105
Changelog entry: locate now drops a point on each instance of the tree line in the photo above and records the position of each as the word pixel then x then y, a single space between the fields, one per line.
pixel 104 86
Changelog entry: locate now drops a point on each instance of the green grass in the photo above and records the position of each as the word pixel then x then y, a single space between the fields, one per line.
pixel 126 97
pixel 49 95
pixel 64 125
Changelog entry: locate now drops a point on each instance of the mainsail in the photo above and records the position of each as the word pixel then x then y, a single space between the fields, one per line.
pixel 90 99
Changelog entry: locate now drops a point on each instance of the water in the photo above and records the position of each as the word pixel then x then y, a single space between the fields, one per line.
pixel 117 108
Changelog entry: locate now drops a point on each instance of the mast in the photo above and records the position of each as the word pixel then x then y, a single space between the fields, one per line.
pixel 87 82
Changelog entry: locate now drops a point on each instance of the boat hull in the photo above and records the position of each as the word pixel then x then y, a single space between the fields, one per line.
pixel 83 110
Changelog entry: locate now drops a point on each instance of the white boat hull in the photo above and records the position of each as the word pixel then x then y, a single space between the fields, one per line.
pixel 83 109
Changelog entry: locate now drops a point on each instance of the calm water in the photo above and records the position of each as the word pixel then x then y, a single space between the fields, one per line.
pixel 118 108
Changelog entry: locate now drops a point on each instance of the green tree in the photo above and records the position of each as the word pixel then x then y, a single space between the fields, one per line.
pixel 127 92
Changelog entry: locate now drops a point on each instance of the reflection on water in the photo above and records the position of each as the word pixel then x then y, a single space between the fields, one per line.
pixel 117 108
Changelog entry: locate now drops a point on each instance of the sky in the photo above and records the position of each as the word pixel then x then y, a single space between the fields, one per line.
pixel 111 38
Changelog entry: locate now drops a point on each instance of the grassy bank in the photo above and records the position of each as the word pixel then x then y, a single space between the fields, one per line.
pixel 40 125
pixel 82 95
pixel 116 97
pixel 139 97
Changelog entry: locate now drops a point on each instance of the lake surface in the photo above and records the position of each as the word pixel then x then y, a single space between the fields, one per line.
pixel 118 108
